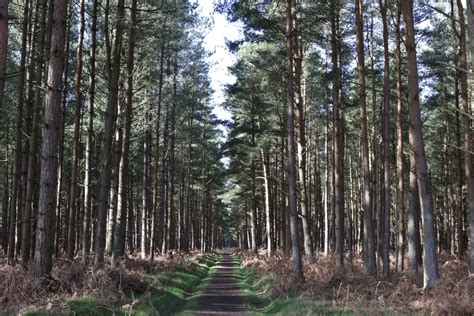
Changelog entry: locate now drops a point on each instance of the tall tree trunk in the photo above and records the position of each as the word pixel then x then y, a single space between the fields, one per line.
pixel 400 161
pixel 291 172
pixel 155 207
pixel 338 145
pixel 386 145
pixel 32 158
pixel 49 148
pixel 267 203
pixel 145 191
pixel 468 131
pixel 326 182
pixel 123 181
pixel 110 118
pixel 90 131
pixel 18 138
pixel 77 139
pixel 171 163
pixel 3 47
pixel 300 134
pixel 369 232
pixel 430 260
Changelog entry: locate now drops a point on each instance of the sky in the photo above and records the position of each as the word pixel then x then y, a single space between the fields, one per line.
pixel 220 59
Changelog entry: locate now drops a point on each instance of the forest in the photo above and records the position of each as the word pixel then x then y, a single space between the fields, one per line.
pixel 340 183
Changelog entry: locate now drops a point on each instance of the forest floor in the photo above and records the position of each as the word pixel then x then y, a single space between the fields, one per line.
pixel 223 284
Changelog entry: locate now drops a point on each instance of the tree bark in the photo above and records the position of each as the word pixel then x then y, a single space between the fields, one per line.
pixel 32 158
pixel 291 172
pixel 386 145
pixel 430 260
pixel 71 244
pixel 338 144
pixel 3 47
pixel 90 132
pixel 369 232
pixel 110 118
pixel 468 135
pixel 49 148
pixel 400 161
pixel 123 181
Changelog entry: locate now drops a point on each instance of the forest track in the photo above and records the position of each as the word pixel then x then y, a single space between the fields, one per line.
pixel 223 296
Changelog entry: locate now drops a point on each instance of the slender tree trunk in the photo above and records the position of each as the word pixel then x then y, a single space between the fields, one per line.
pixel 32 159
pixel 470 20
pixel 123 181
pixel 369 232
pixel 18 138
pixel 300 134
pixel 3 47
pixel 110 118
pixel 49 148
pixel 90 132
pixel 155 207
pixel 326 183
pixel 338 145
pixel 400 162
pixel 386 145
pixel 291 172
pixel 77 139
pixel 467 120
pixel 267 203
pixel 430 260
pixel 145 191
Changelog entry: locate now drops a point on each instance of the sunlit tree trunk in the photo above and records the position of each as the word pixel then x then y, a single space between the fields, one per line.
pixel 90 131
pixel 369 232
pixel 430 259
pixel 123 176
pixel 291 171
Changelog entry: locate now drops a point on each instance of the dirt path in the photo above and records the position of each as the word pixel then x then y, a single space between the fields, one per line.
pixel 223 295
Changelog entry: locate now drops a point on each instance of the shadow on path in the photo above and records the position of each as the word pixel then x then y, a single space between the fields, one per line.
pixel 223 295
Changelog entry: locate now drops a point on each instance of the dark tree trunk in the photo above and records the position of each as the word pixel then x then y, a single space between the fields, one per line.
pixel 400 160
pixel 291 172
pixel 369 232
pixel 3 47
pixel 32 158
pixel 338 141
pixel 110 118
pixel 123 181
pixel 468 143
pixel 18 138
pixel 49 148
pixel 386 145
pixel 90 131
pixel 71 244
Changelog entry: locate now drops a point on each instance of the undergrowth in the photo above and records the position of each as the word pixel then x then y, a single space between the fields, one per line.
pixel 329 290
pixel 261 299
pixel 135 286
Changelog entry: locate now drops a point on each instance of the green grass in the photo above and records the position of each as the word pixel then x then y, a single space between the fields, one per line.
pixel 259 301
